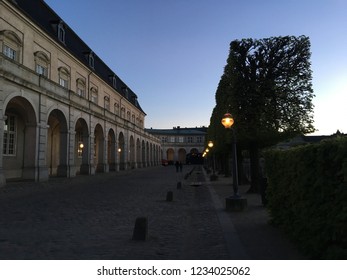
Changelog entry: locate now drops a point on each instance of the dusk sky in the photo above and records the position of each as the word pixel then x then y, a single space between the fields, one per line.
pixel 172 53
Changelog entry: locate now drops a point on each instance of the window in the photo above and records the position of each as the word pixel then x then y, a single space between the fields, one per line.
pixel 80 146
pixel 61 32
pixel 190 139
pixel 10 53
pixel 133 118
pixel 64 77
pixel 128 116
pixel 91 59
pixel 164 139
pixel 10 44
pixel 116 109
pixel 107 103
pixel 113 80
pixel 41 63
pixel 122 113
pixel 180 139
pixel 199 139
pixel 10 134
pixel 81 88
pixel 94 95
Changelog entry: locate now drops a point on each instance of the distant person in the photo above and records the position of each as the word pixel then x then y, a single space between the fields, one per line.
pixel 181 166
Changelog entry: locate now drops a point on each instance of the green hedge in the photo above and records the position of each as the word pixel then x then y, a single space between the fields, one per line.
pixel 307 196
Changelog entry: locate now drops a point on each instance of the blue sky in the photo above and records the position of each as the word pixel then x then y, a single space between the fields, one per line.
pixel 172 53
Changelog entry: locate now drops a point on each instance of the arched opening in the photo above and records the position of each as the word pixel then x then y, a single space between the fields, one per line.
pixel 138 153
pixel 57 143
pixel 182 155
pixel 121 151
pixel 20 141
pixel 170 155
pixel 111 150
pixel 99 149
pixel 132 152
pixel 82 147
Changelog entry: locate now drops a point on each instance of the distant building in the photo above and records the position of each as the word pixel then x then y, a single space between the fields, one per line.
pixel 181 144
pixel 63 111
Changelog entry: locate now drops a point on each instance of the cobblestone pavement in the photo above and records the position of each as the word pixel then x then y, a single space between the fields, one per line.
pixel 93 217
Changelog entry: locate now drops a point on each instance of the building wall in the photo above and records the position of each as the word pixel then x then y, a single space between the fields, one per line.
pixel 179 142
pixel 50 130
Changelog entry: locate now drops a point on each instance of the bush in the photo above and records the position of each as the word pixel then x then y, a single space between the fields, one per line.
pixel 307 196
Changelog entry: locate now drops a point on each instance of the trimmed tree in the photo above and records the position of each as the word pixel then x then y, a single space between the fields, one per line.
pixel 267 87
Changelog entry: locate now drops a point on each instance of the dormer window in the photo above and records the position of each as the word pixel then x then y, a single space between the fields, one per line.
pixel 91 60
pixel 61 32
pixel 113 81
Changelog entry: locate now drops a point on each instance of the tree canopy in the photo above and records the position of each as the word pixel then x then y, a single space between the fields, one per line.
pixel 267 87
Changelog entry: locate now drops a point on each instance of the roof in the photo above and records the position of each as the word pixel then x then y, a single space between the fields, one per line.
pixel 179 131
pixel 42 15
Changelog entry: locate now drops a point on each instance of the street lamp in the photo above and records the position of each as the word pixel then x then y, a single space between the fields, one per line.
pixel 235 202
pixel 227 122
pixel 210 144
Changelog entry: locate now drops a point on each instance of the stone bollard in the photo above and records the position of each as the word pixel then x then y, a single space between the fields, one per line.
pixel 179 185
pixel 140 229
pixel 169 196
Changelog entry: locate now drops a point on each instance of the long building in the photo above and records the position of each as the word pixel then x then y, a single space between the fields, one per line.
pixel 63 111
pixel 185 145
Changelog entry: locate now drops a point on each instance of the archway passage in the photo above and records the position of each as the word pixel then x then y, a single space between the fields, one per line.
pixel 82 147
pixel 99 149
pixel 111 150
pixel 57 143
pixel 20 141
pixel 121 151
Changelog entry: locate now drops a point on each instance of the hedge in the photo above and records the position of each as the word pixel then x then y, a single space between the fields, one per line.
pixel 307 196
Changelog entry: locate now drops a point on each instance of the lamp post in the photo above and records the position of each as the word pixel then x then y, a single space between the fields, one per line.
pixel 210 144
pixel 227 122
pixel 235 202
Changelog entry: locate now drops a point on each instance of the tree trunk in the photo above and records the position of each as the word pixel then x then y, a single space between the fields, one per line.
pixel 254 162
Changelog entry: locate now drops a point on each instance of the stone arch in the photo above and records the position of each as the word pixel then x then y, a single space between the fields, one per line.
pixel 111 150
pixel 19 149
pixel 138 152
pixel 182 155
pixel 121 151
pixel 99 148
pixel 143 153
pixel 170 155
pixel 132 152
pixel 57 144
pixel 82 147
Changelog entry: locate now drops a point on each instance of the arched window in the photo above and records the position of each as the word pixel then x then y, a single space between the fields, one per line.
pixel 41 63
pixel 107 103
pixel 128 116
pixel 81 87
pixel 116 108
pixel 91 60
pixel 64 77
pixel 11 44
pixel 94 95
pixel 61 32
pixel 122 113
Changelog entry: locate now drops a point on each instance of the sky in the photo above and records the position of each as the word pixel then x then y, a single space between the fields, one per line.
pixel 172 53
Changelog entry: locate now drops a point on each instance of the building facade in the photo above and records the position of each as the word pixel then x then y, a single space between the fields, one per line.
pixel 63 111
pixel 181 144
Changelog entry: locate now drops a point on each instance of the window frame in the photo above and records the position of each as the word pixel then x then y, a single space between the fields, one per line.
pixel 6 139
